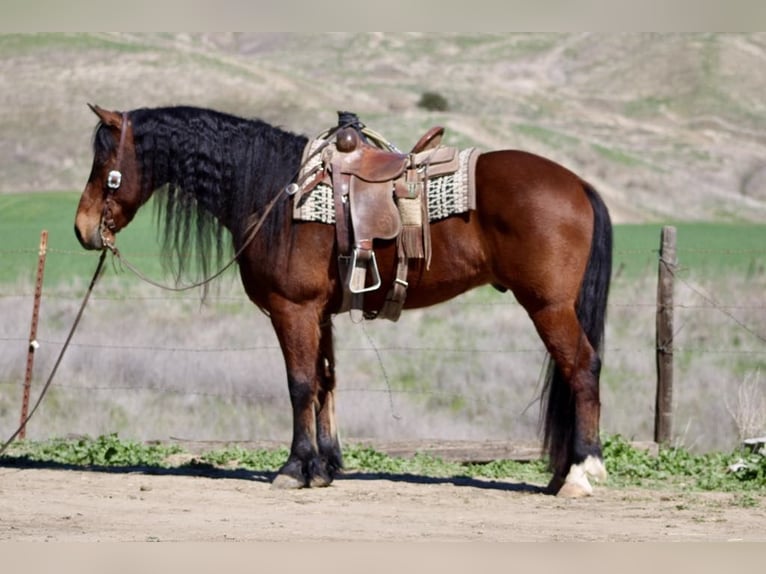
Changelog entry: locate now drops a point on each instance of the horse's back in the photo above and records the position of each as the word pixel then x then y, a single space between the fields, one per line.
pixel 523 176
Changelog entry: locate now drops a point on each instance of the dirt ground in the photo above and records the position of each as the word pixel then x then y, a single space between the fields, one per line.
pixel 63 505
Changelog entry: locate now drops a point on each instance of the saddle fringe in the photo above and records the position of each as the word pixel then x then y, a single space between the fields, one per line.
pixel 415 239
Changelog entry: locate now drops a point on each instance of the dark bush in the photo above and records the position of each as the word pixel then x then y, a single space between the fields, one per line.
pixel 433 101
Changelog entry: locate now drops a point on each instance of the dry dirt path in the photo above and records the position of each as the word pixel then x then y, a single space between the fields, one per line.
pixel 44 504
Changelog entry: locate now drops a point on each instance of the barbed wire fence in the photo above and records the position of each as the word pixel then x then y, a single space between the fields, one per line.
pixel 153 366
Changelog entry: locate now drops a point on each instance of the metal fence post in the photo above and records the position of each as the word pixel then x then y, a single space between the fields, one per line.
pixel 33 344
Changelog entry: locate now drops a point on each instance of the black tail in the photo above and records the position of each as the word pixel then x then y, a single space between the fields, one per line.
pixel 559 416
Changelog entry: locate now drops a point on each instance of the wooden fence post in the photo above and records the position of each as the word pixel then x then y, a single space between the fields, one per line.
pixel 33 331
pixel 663 417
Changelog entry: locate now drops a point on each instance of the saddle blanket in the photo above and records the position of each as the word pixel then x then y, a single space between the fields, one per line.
pixel 445 195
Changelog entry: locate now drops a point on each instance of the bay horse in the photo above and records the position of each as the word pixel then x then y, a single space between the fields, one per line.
pixel 538 230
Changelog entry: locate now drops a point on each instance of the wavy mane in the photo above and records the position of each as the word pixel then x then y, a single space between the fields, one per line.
pixel 210 171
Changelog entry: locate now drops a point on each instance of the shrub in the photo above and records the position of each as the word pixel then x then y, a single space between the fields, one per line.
pixel 433 101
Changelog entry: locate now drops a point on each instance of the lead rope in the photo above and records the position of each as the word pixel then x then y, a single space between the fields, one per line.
pixel 96 275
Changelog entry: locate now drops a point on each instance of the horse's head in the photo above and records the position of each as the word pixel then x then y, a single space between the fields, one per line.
pixel 113 192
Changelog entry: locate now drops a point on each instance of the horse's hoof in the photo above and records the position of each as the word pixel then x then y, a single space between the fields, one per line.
pixel 321 474
pixel 320 481
pixel 574 490
pixel 594 467
pixel 286 482
pixel 576 483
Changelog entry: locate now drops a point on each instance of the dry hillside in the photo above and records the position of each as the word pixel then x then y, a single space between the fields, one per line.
pixel 668 126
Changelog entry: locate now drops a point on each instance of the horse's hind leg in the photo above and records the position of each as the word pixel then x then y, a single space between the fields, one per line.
pixel 572 418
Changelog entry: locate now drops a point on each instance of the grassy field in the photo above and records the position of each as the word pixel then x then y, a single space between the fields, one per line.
pixel 24 216
pixel 704 249
pixel 149 364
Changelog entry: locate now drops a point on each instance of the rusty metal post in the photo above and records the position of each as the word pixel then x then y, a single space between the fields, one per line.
pixel 663 418
pixel 33 344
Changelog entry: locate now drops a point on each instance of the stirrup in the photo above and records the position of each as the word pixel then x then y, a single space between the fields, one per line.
pixel 358 274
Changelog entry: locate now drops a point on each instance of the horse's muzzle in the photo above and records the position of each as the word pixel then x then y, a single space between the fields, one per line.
pixel 90 238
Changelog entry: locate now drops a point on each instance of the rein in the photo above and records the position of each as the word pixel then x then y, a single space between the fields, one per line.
pixel 23 423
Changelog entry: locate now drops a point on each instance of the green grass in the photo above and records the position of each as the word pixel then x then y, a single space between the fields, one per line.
pixel 704 249
pixel 261 459
pixel 677 467
pixel 672 468
pixel 24 216
pixel 105 450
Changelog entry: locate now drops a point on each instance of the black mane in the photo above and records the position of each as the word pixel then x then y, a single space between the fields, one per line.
pixel 212 171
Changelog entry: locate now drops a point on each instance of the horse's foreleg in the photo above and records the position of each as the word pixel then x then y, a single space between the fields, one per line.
pixel 327 430
pixel 297 329
pixel 572 425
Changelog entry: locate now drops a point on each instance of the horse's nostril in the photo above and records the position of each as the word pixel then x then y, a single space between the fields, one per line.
pixel 87 241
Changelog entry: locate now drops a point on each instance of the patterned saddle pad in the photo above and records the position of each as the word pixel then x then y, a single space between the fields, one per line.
pixel 445 195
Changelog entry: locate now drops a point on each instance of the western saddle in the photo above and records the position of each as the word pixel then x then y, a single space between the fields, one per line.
pixel 378 193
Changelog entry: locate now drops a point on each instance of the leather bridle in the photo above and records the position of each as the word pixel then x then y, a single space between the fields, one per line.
pixel 113 182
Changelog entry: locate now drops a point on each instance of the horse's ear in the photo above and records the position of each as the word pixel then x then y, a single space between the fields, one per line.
pixel 109 118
